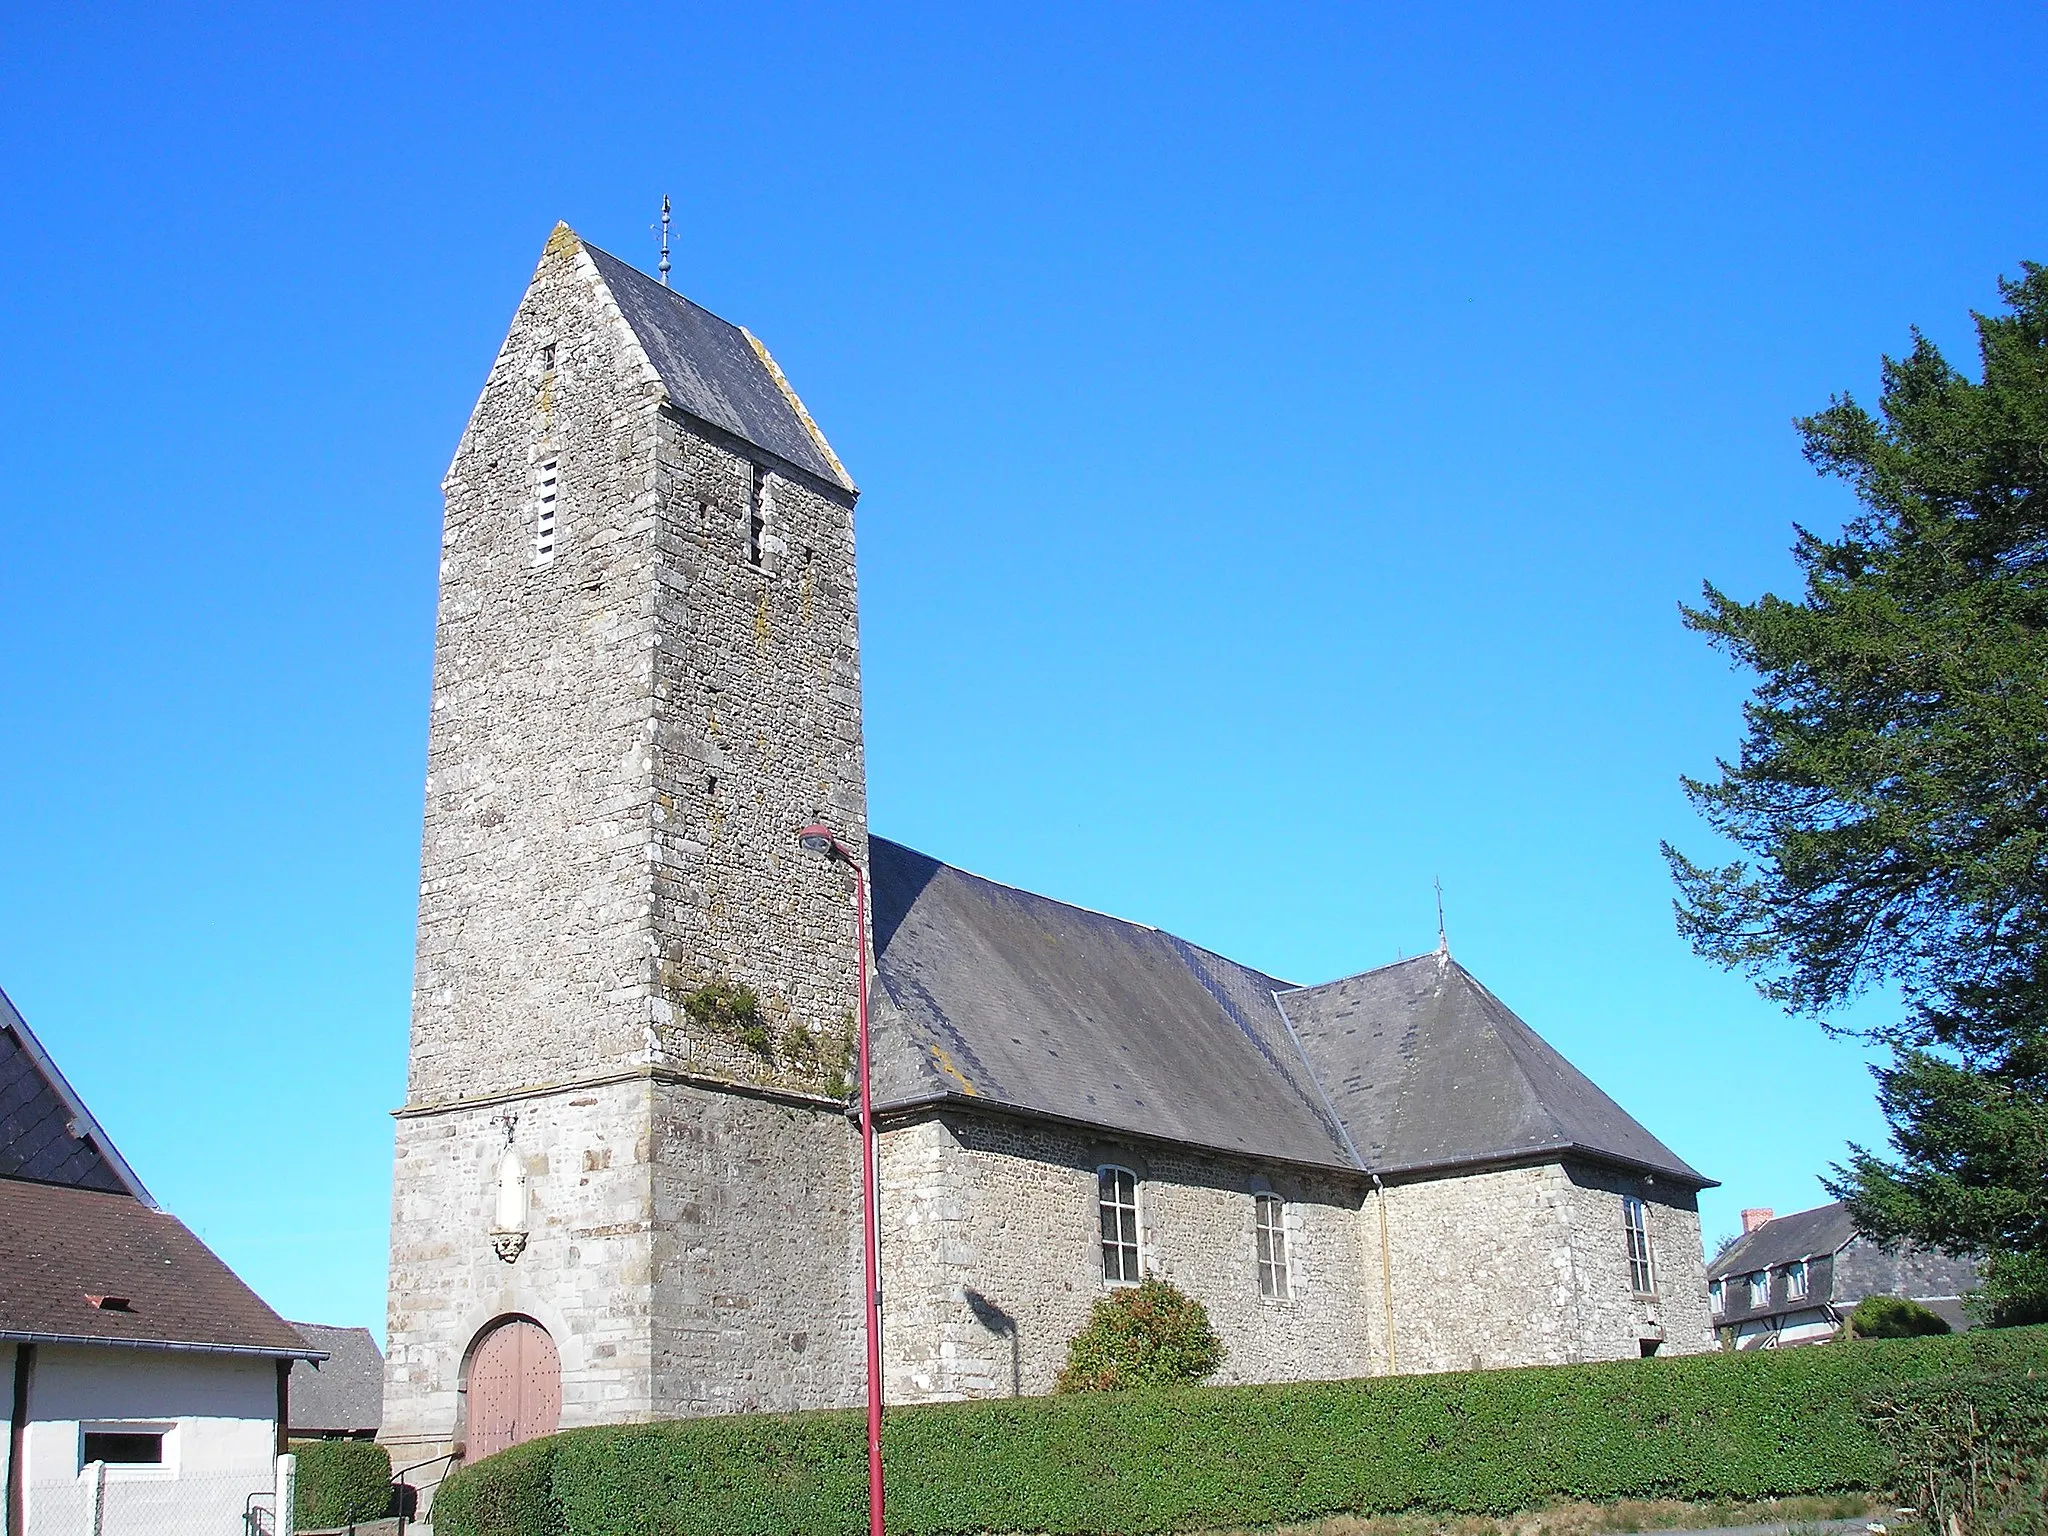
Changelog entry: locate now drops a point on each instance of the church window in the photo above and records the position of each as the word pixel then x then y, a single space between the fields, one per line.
pixel 1635 1220
pixel 1795 1280
pixel 1117 1197
pixel 1270 1220
pixel 547 488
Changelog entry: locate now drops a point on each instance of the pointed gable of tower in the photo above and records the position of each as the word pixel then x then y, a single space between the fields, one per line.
pixel 716 371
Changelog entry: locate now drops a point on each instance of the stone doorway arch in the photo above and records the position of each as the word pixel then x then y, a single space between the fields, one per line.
pixel 513 1387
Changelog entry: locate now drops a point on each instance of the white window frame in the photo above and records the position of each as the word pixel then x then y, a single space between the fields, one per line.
pixel 1795 1280
pixel 166 1431
pixel 1717 1297
pixel 547 502
pixel 1642 1253
pixel 1759 1289
pixel 1120 1224
pixel 1270 1247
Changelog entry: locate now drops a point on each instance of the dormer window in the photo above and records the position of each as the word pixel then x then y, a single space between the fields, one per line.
pixel 1717 1297
pixel 547 490
pixel 1795 1280
pixel 1759 1290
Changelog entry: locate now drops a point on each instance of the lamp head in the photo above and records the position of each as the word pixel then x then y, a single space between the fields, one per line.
pixel 818 838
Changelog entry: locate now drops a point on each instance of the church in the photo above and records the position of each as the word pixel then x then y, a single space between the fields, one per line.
pixel 626 1184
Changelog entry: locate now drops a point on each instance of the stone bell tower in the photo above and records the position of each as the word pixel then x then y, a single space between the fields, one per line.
pixel 623 1156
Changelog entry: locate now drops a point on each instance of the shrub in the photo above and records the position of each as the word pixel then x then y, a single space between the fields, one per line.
pixel 1761 1424
pixel 510 1494
pixel 1893 1317
pixel 1973 1447
pixel 341 1481
pixel 1151 1335
pixel 732 1009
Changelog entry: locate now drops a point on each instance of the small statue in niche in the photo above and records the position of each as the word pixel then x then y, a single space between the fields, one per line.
pixel 508 1229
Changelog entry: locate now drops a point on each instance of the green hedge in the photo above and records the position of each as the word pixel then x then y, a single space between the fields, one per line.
pixel 341 1481
pixel 1703 1427
pixel 1974 1446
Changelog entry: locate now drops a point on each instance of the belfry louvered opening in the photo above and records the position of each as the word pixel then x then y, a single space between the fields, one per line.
pixel 547 491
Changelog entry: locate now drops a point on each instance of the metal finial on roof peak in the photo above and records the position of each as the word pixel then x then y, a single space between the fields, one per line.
pixel 664 240
pixel 1443 942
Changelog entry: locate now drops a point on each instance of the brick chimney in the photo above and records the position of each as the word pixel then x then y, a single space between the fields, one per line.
pixel 1752 1219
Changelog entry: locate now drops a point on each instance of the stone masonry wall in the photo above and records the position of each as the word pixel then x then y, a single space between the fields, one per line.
pixel 1481 1269
pixel 992 1258
pixel 1612 1318
pixel 583 1275
pixel 757 698
pixel 756 1299
pixel 533 949
pixel 1529 1266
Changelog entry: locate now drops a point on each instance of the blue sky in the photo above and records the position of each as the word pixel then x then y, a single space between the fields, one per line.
pixel 1286 434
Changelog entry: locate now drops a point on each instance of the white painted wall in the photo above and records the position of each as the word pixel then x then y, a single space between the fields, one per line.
pixel 219 1417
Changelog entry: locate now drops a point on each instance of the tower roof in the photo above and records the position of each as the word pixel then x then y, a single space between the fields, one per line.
pixel 1427 1069
pixel 717 372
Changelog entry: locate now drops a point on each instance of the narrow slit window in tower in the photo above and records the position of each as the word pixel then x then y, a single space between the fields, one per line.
pixel 757 517
pixel 546 492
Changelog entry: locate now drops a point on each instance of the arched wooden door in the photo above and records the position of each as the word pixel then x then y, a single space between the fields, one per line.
pixel 515 1387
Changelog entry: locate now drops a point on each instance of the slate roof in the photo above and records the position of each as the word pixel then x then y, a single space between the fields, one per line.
pixel 46 1132
pixel 343 1394
pixel 994 996
pixel 1801 1235
pixel 1427 1069
pixel 717 372
pixel 61 1246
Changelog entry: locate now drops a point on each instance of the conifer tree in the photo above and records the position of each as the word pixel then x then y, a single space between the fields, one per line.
pixel 1890 799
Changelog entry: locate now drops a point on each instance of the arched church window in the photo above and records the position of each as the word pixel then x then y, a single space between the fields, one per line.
pixel 1117 1201
pixel 1269 1220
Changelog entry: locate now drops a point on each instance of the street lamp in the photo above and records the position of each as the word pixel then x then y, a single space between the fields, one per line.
pixel 818 838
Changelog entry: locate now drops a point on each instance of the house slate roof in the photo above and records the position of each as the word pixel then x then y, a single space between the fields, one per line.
pixel 1430 1070
pixel 46 1132
pixel 62 1246
pixel 1826 1229
pixel 716 371
pixel 996 997
pixel 343 1394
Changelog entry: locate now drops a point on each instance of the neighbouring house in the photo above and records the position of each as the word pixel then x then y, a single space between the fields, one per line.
pixel 342 1396
pixel 143 1385
pixel 625 1181
pixel 1792 1279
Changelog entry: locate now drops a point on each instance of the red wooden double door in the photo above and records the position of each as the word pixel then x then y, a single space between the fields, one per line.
pixel 515 1387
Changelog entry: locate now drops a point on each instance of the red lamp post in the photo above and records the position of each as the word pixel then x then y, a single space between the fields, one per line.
pixel 819 839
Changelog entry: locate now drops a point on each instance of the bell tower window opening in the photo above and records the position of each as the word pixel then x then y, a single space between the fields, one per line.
pixel 757 517
pixel 547 489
